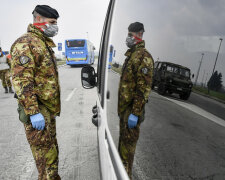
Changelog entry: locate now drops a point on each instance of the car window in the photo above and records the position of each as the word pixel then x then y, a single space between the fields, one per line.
pixel 169 68
pixel 159 65
pixel 176 70
pixel 181 122
pixel 155 65
pixel 184 72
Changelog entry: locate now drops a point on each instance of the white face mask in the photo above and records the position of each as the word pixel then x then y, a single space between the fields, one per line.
pixel 51 30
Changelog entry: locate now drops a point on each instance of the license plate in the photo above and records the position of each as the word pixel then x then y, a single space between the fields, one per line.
pixel 179 89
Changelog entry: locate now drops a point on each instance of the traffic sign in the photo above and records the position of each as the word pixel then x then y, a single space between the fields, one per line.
pixel 59 46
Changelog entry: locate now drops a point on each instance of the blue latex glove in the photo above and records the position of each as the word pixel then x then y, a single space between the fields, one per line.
pixel 132 121
pixel 38 121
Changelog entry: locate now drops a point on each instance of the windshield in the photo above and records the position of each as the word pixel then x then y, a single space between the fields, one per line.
pixel 75 43
pixel 184 72
pixel 178 70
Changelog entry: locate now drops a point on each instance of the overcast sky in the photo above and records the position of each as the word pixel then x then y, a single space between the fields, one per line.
pixel 175 30
pixel 77 17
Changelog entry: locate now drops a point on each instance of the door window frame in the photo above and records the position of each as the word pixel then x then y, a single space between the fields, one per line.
pixel 103 51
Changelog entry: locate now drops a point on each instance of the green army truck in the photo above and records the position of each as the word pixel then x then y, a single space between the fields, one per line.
pixel 172 78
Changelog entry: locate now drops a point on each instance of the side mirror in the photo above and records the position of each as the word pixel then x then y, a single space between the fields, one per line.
pixel 88 77
pixel 193 76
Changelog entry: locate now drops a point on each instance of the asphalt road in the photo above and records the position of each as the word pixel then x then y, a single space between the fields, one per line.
pixel 77 137
pixel 179 140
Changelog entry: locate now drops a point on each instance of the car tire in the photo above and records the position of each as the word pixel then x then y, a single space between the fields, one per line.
pixel 161 89
pixel 153 86
pixel 185 96
pixel 170 92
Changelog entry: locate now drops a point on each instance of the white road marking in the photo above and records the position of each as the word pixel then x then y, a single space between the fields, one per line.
pixel 71 94
pixel 199 111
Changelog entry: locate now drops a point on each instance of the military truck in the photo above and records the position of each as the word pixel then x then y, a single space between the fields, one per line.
pixel 172 78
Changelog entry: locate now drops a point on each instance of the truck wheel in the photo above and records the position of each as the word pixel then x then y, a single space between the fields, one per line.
pixel 185 96
pixel 170 92
pixel 161 89
pixel 153 86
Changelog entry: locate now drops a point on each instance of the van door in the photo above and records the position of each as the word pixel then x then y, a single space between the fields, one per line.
pixel 177 140
pixel 110 164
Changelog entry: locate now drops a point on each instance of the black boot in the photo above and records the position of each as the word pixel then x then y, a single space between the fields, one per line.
pixel 10 90
pixel 6 90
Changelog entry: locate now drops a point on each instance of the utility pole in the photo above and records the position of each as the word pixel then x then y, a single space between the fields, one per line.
pixel 87 36
pixel 217 55
pixel 203 78
pixel 199 69
pixel 206 79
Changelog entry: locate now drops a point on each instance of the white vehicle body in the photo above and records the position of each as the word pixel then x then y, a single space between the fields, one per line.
pixel 111 166
pixel 3 63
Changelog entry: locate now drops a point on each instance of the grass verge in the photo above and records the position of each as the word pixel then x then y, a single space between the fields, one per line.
pixel 61 62
pixel 118 70
pixel 215 94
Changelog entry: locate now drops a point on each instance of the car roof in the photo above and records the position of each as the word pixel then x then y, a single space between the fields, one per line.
pixel 173 64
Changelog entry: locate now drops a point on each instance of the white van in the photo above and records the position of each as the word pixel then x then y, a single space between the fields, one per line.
pixel 178 139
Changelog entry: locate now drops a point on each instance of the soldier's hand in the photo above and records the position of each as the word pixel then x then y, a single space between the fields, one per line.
pixel 38 121
pixel 132 121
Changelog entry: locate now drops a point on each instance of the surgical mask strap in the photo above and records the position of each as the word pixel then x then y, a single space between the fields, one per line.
pixel 138 39
pixel 40 24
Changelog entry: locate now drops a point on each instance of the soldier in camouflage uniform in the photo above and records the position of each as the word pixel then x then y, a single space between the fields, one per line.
pixel 35 80
pixel 134 90
pixel 5 73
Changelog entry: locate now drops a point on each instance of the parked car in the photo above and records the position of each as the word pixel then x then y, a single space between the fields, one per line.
pixel 172 78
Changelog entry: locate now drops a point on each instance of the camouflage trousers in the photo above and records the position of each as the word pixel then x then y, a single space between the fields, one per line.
pixel 127 140
pixel 5 77
pixel 44 146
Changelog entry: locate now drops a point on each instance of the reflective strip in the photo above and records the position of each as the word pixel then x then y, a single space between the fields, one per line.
pixel 76 59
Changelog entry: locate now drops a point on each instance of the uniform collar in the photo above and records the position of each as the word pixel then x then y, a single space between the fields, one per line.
pixel 141 44
pixel 31 28
pixel 137 46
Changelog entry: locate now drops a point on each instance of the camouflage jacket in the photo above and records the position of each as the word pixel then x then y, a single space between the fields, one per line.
pixel 136 79
pixel 34 72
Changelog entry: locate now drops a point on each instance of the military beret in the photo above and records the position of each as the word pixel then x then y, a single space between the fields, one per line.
pixel 46 11
pixel 136 27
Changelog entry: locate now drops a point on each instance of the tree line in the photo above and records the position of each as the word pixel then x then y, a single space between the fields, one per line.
pixel 215 82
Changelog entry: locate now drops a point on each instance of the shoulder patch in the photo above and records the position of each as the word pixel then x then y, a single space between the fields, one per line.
pixel 24 60
pixel 144 70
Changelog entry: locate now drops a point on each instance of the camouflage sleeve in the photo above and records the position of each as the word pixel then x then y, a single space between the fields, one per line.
pixel 23 68
pixel 143 85
pixel 9 62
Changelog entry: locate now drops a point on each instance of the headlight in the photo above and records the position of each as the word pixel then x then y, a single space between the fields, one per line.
pixel 169 79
